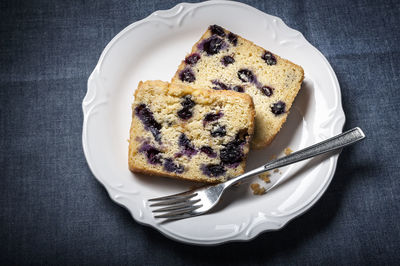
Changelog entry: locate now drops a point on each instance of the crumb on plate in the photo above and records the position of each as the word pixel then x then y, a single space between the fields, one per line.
pixel 257 189
pixel 265 177
pixel 288 151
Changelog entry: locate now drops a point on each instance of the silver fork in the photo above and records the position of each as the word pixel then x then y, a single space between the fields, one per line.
pixel 201 200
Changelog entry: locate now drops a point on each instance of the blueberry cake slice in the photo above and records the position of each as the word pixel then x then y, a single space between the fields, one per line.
pixel 195 134
pixel 222 60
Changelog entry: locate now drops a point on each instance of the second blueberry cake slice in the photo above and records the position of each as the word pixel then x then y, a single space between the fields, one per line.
pixel 222 60
pixel 196 134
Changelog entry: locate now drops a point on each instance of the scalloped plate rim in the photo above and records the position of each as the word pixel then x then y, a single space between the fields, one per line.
pixel 284 221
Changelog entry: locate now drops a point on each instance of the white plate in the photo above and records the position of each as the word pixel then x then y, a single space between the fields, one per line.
pixel 152 49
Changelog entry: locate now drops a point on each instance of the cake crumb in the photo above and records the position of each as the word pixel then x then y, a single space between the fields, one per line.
pixel 257 189
pixel 288 151
pixel 265 177
pixel 273 157
pixel 276 170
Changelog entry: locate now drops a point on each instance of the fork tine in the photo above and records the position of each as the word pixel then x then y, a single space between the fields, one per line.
pixel 173 214
pixel 170 196
pixel 173 201
pixel 177 206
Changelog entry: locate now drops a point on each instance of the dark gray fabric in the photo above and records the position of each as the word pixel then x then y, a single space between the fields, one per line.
pixel 53 211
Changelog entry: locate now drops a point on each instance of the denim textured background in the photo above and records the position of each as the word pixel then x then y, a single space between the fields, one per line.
pixel 53 211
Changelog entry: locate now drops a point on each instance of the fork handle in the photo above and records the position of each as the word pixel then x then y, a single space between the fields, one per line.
pixel 347 138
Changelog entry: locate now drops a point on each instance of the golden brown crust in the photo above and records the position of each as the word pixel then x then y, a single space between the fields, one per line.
pixel 171 175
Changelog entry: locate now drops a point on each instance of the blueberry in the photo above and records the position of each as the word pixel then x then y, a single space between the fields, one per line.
pixel 178 155
pixel 246 75
pixel 232 38
pixel 215 29
pixel 219 131
pixel 152 154
pixel 188 102
pixel 187 75
pixel 213 170
pixel 186 145
pixel 266 90
pixel 210 117
pixel 147 118
pixel 213 45
pixel 232 152
pixel 185 113
pixel 183 141
pixel 238 88
pixel 192 59
pixel 241 137
pixel 226 60
pixel 278 108
pixel 269 58
pixel 209 151
pixel 170 166
pixel 219 85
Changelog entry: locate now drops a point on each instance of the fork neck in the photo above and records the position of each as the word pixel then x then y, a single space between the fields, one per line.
pixel 244 176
